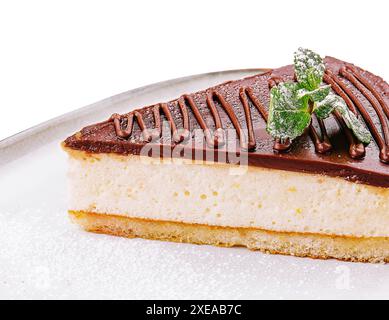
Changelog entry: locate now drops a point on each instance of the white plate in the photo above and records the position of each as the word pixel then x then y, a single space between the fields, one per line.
pixel 43 255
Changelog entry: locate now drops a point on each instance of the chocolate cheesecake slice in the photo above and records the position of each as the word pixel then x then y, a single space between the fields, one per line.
pixel 204 169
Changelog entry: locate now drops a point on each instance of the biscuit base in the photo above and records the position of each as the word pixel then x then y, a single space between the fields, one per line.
pixel 321 246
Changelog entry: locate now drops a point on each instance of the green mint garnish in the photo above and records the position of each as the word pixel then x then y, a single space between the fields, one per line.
pixel 292 103
pixel 324 108
pixel 350 119
pixel 316 95
pixel 309 68
pixel 288 115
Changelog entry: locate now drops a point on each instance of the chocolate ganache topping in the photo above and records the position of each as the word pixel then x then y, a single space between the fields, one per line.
pixel 329 147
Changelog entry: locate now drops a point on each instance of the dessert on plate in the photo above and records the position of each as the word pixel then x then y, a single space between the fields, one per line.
pixel 293 161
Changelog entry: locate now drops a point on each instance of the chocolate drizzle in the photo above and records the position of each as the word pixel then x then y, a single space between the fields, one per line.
pixel 282 146
pixel 243 98
pixel 356 149
pixel 130 123
pixel 323 145
pixel 352 99
pixel 366 83
pixel 352 76
pixel 157 119
pixel 331 148
pixel 218 137
pixel 245 92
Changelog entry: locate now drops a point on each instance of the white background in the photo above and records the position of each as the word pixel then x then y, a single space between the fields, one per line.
pixel 56 56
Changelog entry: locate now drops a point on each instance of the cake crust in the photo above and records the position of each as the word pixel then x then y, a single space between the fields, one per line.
pixel 318 246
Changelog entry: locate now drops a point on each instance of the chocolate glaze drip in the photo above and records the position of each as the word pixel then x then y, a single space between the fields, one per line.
pixel 282 146
pixel 177 137
pixel 120 135
pixel 213 94
pixel 119 131
pixel 351 75
pixel 246 93
pixel 130 123
pixel 330 78
pixel 366 83
pixel 257 103
pixel 323 145
pixel 187 99
pixel 274 81
pixel 243 98
pixel 185 118
pixel 383 154
pixel 357 149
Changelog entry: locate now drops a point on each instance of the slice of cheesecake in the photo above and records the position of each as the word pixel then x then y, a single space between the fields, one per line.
pixel 203 169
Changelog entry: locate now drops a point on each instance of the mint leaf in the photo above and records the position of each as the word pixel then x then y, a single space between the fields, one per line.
pixel 324 108
pixel 309 68
pixel 351 120
pixel 288 115
pixel 316 95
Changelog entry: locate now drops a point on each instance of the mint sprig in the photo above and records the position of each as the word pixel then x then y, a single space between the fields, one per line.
pixel 292 103
pixel 315 95
pixel 350 118
pixel 288 115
